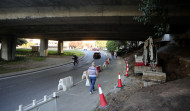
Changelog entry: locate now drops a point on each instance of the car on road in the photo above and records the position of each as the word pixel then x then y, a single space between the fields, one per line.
pixel 95 49
pixel 97 55
pixel 85 48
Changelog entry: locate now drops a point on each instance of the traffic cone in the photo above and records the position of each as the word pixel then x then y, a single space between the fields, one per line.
pixel 119 81
pixel 103 102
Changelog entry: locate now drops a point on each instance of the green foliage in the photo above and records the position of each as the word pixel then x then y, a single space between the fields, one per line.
pixel 111 46
pixel 115 45
pixel 101 44
pixel 27 45
pixel 23 55
pixel 66 53
pixel 21 41
pixel 150 9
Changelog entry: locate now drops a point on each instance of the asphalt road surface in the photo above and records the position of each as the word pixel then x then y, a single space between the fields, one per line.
pixel 21 90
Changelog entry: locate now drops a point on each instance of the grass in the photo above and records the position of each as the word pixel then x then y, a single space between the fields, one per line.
pixel 66 53
pixel 23 55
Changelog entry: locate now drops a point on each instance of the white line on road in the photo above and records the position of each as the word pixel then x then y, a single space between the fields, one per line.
pixel 29 73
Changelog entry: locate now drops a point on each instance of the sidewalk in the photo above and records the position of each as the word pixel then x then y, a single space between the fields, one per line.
pixel 78 98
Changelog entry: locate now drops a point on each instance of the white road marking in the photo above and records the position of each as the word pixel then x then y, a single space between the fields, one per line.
pixel 29 73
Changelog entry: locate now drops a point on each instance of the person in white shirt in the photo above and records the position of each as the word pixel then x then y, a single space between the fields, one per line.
pixel 92 74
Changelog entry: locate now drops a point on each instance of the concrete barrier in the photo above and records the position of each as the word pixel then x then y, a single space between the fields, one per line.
pixel 48 103
pixel 65 83
pixel 108 60
pixel 84 75
pixel 104 65
pixel 159 77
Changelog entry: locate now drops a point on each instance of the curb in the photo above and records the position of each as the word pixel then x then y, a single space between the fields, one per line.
pixel 20 73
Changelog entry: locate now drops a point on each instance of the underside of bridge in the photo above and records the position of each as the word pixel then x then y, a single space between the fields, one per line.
pixel 84 20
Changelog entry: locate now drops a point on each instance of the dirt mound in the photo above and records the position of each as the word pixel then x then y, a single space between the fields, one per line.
pixel 175 62
pixel 170 96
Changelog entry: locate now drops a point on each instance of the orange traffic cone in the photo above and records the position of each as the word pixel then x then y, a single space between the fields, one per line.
pixel 119 82
pixel 103 102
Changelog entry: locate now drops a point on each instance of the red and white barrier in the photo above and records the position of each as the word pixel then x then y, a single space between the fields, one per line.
pixel 127 69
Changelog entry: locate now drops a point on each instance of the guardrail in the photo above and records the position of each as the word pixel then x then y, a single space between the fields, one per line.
pixel 48 103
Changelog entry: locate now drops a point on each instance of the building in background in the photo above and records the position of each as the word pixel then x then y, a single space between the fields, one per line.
pixel 66 44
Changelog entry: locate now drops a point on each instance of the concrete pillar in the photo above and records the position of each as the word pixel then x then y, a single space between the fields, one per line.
pixel 43 47
pixel 60 47
pixel 8 48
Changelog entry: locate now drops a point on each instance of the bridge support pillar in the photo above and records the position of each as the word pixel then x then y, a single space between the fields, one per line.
pixel 60 47
pixel 43 47
pixel 8 48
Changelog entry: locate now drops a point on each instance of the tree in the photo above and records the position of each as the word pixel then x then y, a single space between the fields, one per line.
pixel 101 44
pixel 111 46
pixel 150 9
pixel 21 41
pixel 75 44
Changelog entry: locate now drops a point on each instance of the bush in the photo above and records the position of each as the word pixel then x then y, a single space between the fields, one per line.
pixel 121 52
pixel 111 46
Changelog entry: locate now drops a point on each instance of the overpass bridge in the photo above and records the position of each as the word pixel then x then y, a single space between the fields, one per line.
pixel 63 20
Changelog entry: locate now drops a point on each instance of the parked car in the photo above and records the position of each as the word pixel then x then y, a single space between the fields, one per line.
pixel 85 48
pixel 97 55
pixel 105 49
pixel 95 49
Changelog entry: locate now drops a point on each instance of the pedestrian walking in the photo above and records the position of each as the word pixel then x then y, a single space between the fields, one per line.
pixel 115 54
pixel 92 74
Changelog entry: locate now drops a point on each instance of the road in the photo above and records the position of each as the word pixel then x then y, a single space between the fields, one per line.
pixel 18 90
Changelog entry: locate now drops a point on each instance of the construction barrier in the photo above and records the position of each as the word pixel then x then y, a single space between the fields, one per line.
pixel 65 83
pixel 98 68
pixel 125 60
pixel 107 62
pixel 127 69
pixel 84 75
pixel 104 65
